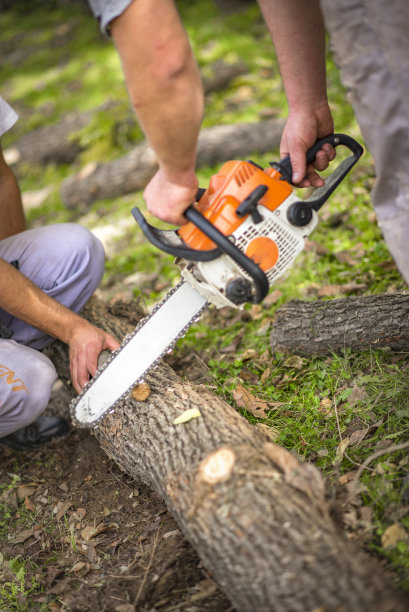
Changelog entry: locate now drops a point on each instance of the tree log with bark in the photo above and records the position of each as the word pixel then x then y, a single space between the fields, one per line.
pixel 58 143
pixel 360 323
pixel 133 171
pixel 258 518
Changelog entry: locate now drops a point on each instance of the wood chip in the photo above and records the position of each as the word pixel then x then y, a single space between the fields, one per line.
pixel 141 392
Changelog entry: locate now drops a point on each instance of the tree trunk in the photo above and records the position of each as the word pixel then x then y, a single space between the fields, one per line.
pixel 360 323
pixel 257 517
pixel 133 171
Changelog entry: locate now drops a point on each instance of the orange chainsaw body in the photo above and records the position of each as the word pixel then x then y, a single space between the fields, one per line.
pixel 227 189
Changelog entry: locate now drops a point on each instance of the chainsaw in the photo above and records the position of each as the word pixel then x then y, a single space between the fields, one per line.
pixel 243 233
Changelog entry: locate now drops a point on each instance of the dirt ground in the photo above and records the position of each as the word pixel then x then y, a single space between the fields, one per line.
pixel 95 539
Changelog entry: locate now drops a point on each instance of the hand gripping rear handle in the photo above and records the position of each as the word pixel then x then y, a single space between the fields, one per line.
pixel 321 195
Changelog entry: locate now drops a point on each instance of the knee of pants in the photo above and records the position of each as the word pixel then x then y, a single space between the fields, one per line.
pixel 80 250
pixel 24 391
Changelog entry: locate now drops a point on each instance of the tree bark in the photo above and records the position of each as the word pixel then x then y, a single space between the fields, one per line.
pixel 256 516
pixel 133 171
pixel 360 323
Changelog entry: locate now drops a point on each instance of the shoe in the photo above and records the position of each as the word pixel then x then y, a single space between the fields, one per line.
pixel 42 431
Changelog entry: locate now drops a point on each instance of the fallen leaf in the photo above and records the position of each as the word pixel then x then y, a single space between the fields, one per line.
pixel 345 257
pixel 78 514
pixel 358 394
pixel 265 375
pixel 256 406
pixel 22 536
pixel 272 298
pixel 256 312
pixel 315 247
pixel 91 531
pixel 341 450
pixel 325 405
pixel 357 436
pixel 29 504
pixel 61 508
pixel 92 554
pixel 77 567
pixel 187 415
pixel 295 361
pixel 347 477
pixel 24 491
pixel 53 571
pixel 393 534
pixel 249 354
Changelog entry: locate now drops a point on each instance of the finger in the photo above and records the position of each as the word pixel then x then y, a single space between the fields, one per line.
pixel 314 179
pixel 83 373
pixel 74 375
pixel 321 161
pixel 298 166
pixel 111 343
pixel 330 151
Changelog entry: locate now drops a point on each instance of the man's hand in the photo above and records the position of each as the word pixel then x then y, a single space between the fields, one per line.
pixel 302 130
pixel 85 344
pixel 167 198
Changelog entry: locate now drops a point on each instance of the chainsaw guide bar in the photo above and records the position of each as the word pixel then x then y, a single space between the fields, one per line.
pixel 157 334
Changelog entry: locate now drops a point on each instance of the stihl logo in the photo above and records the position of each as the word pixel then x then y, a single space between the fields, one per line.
pixel 8 376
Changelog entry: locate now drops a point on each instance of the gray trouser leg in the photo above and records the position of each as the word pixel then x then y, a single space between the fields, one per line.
pixel 66 262
pixel 26 379
pixel 371 45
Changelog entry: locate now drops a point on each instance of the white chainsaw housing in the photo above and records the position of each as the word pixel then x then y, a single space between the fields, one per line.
pixel 210 278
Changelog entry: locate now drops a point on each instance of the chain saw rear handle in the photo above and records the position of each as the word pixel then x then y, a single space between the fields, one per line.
pixel 299 214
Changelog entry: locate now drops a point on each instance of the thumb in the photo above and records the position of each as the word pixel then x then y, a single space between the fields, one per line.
pixel 298 165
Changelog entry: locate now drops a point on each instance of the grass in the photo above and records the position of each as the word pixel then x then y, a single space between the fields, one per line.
pixel 65 66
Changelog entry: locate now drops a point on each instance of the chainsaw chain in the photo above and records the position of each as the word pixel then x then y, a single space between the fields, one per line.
pixel 120 402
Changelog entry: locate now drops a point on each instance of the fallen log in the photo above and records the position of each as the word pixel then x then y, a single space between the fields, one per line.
pixel 360 323
pixel 57 143
pixel 258 518
pixel 132 171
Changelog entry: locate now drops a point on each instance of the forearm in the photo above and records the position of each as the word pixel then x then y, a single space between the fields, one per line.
pixel 11 210
pixel 163 82
pixel 298 34
pixel 25 301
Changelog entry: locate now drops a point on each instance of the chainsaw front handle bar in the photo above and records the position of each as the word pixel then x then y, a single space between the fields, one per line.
pixel 170 242
pixel 226 246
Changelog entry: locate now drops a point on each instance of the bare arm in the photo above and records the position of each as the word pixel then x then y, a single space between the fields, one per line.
pixel 11 210
pixel 26 301
pixel 165 88
pixel 298 34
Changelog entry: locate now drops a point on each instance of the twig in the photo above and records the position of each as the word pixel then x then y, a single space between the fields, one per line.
pixel 148 567
pixel 379 453
pixel 391 449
